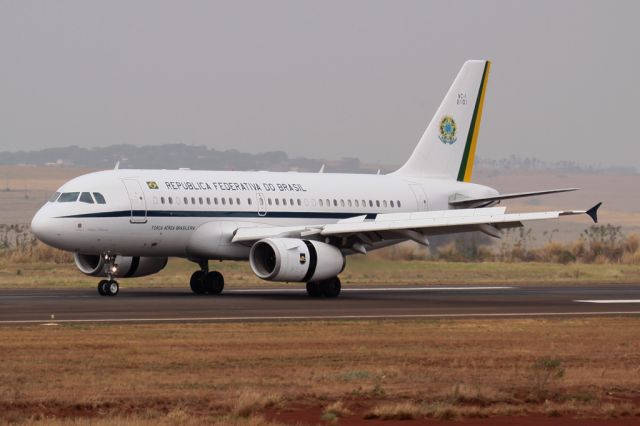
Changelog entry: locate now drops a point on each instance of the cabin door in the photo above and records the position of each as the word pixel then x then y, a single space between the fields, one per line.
pixel 261 203
pixel 138 203
pixel 421 197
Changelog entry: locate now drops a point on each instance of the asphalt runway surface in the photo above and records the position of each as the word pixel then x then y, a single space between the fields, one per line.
pixel 292 303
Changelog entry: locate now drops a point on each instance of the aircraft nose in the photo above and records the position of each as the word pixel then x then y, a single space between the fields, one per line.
pixel 42 227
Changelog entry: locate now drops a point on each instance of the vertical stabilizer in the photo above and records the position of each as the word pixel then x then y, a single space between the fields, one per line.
pixel 448 146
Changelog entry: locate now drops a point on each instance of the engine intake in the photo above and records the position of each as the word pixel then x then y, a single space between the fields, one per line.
pixel 292 259
pixel 128 266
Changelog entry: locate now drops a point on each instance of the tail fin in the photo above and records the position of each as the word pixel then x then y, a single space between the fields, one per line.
pixel 447 148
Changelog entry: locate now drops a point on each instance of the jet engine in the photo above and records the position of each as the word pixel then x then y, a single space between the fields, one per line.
pixel 127 266
pixel 292 259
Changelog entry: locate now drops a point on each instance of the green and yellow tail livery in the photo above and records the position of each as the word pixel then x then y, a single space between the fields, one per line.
pixel 447 148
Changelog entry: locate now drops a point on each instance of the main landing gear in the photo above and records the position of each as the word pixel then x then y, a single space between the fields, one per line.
pixel 329 288
pixel 205 281
pixel 109 287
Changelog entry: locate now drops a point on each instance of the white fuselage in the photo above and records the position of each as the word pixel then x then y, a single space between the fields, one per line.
pixel 155 212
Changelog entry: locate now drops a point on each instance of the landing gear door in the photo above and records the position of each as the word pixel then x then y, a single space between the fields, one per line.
pixel 262 206
pixel 421 197
pixel 138 203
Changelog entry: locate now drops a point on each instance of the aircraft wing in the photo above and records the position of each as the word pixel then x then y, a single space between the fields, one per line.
pixel 415 226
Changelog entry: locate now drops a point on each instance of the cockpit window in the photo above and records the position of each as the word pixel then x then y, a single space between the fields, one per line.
pixel 54 197
pixel 68 197
pixel 99 198
pixel 85 197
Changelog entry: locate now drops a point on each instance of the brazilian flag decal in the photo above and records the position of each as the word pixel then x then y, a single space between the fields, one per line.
pixel 152 185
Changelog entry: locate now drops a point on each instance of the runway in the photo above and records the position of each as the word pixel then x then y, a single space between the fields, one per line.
pixel 292 303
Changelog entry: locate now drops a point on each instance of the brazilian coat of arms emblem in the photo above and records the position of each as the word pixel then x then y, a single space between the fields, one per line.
pixel 448 130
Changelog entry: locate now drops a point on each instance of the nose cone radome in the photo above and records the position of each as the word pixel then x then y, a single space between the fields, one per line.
pixel 42 227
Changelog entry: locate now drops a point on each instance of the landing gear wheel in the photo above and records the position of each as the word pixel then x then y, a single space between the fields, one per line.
pixel 213 282
pixel 112 288
pixel 197 282
pixel 331 287
pixel 313 289
pixel 102 287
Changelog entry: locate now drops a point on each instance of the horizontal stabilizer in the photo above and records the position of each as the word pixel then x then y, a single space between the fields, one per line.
pixel 464 202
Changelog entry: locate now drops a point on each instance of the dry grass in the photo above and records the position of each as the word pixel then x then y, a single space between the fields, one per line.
pixel 396 411
pixel 437 369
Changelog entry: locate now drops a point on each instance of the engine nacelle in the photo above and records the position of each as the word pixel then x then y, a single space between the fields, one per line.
pixel 127 266
pixel 292 259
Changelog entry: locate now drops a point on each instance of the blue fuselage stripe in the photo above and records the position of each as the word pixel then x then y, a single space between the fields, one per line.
pixel 220 214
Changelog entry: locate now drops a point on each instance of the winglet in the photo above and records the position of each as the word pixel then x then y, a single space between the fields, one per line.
pixel 593 212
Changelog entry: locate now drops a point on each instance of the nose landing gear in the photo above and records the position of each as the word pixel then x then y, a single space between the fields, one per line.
pixel 205 281
pixel 109 287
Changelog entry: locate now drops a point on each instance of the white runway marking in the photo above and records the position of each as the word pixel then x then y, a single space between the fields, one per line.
pixel 327 317
pixel 301 290
pixel 609 301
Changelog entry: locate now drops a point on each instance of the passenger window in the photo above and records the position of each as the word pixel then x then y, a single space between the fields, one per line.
pixel 200 199
pixel 249 201
pixel 384 203
pixel 208 201
pixel 299 202
pixel 238 201
pixel 68 197
pixel 364 203
pixel 377 203
pixel 215 201
pixel 186 201
pixel 261 201
pixel 290 201
pixel 230 201
pixel 223 201
pixel 370 203
pixel 349 201
pixel 162 200
pixel 54 197
pixel 284 201
pixel 85 197
pixel 335 203
pixel 269 201
pixel 357 204
pixel 328 203
pixel 170 200
pixel 341 203
pixel 193 200
pixel 391 202
pixel 277 202
pixel 320 202
pixel 399 203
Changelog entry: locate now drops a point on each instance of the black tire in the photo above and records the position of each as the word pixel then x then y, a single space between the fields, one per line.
pixel 213 282
pixel 331 288
pixel 313 289
pixel 196 282
pixel 102 287
pixel 112 288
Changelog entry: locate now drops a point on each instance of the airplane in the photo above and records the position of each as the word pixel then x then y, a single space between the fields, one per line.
pixel 290 226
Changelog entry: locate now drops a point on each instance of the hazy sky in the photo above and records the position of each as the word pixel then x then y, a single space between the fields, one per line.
pixel 320 79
